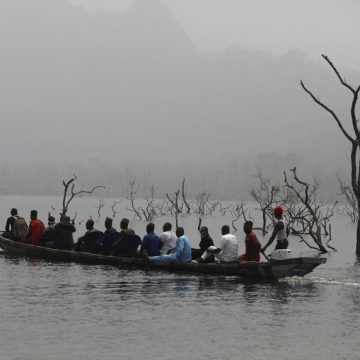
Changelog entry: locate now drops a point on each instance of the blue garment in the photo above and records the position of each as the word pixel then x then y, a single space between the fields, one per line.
pixel 151 243
pixel 182 252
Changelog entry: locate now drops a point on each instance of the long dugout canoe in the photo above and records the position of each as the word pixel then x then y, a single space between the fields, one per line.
pixel 274 269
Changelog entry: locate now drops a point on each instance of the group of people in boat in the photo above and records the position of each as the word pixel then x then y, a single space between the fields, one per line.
pixel 168 246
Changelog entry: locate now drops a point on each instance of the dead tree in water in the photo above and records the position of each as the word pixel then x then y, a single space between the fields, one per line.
pixel 309 217
pixel 133 189
pixel 67 198
pixel 351 207
pixel 188 207
pixel 353 137
pixel 265 195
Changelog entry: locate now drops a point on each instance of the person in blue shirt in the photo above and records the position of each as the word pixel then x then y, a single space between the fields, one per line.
pixel 181 253
pixel 151 242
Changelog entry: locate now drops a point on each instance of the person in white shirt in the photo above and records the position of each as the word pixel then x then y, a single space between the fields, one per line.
pixel 226 251
pixel 168 239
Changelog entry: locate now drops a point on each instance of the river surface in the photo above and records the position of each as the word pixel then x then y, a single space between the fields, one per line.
pixel 70 311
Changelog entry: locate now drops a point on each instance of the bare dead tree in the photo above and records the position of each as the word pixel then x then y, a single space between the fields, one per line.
pixel 266 196
pixel 188 207
pixel 133 189
pixel 99 206
pixel 353 138
pixel 351 208
pixel 311 220
pixel 238 211
pixel 69 186
pixel 113 206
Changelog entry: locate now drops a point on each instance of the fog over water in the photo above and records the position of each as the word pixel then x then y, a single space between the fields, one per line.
pixel 158 90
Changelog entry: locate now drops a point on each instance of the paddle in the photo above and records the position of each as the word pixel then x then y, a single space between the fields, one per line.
pixel 265 256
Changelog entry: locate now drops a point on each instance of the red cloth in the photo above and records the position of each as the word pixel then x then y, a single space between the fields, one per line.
pixel 36 228
pixel 252 248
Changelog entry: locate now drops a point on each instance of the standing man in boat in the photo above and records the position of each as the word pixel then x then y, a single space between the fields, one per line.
pixel 227 251
pixel 279 231
pixel 36 228
pixel 252 244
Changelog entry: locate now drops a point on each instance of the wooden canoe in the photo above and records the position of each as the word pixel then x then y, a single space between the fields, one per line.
pixel 263 270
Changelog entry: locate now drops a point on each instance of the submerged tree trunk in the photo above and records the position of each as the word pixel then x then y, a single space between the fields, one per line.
pixel 358 238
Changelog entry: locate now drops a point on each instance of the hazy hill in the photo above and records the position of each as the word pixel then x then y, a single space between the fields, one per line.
pixel 132 90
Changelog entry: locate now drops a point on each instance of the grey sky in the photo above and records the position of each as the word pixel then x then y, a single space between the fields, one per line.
pixel 313 26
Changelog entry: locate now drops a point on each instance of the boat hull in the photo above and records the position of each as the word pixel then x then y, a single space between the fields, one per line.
pixel 262 270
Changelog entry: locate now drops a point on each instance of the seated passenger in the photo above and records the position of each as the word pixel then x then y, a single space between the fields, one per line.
pixel 16 227
pixel 48 232
pixel 227 251
pixel 128 242
pixel 63 235
pixel 168 239
pixel 252 244
pixel 108 239
pixel 35 230
pixel 205 242
pixel 181 253
pixel 151 242
pixel 89 242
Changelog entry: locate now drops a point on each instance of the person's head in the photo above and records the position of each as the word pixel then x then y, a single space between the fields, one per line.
pixel 66 219
pixel 51 220
pixel 167 227
pixel 33 214
pixel 150 228
pixel 204 232
pixel 248 227
pixel 108 223
pixel 179 231
pixel 13 212
pixel 278 212
pixel 225 230
pixel 89 224
pixel 124 223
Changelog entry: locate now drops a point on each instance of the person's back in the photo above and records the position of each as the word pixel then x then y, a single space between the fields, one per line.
pixel 229 248
pixel 127 246
pixel 90 241
pixel 151 242
pixel 109 237
pixel 35 230
pixel 63 234
pixel 127 242
pixel 168 239
pixel 46 237
pixel 183 247
pixel 16 227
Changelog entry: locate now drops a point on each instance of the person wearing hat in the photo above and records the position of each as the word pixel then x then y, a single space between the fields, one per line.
pixel 36 228
pixel 89 242
pixel 279 231
pixel 46 238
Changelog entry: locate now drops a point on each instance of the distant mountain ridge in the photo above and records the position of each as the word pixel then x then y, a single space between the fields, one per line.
pixel 134 87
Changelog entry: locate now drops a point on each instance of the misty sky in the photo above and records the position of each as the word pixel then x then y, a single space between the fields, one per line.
pixel 159 90
pixel 312 26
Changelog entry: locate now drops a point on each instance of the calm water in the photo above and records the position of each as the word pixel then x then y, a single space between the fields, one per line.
pixel 70 311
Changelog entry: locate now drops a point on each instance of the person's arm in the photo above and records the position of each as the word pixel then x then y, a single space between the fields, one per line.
pixel 278 226
pixel 8 223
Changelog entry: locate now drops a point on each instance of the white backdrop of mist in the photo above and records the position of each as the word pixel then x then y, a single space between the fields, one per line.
pixel 116 96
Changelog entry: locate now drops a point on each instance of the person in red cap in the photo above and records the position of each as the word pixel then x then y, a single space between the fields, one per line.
pixel 279 231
